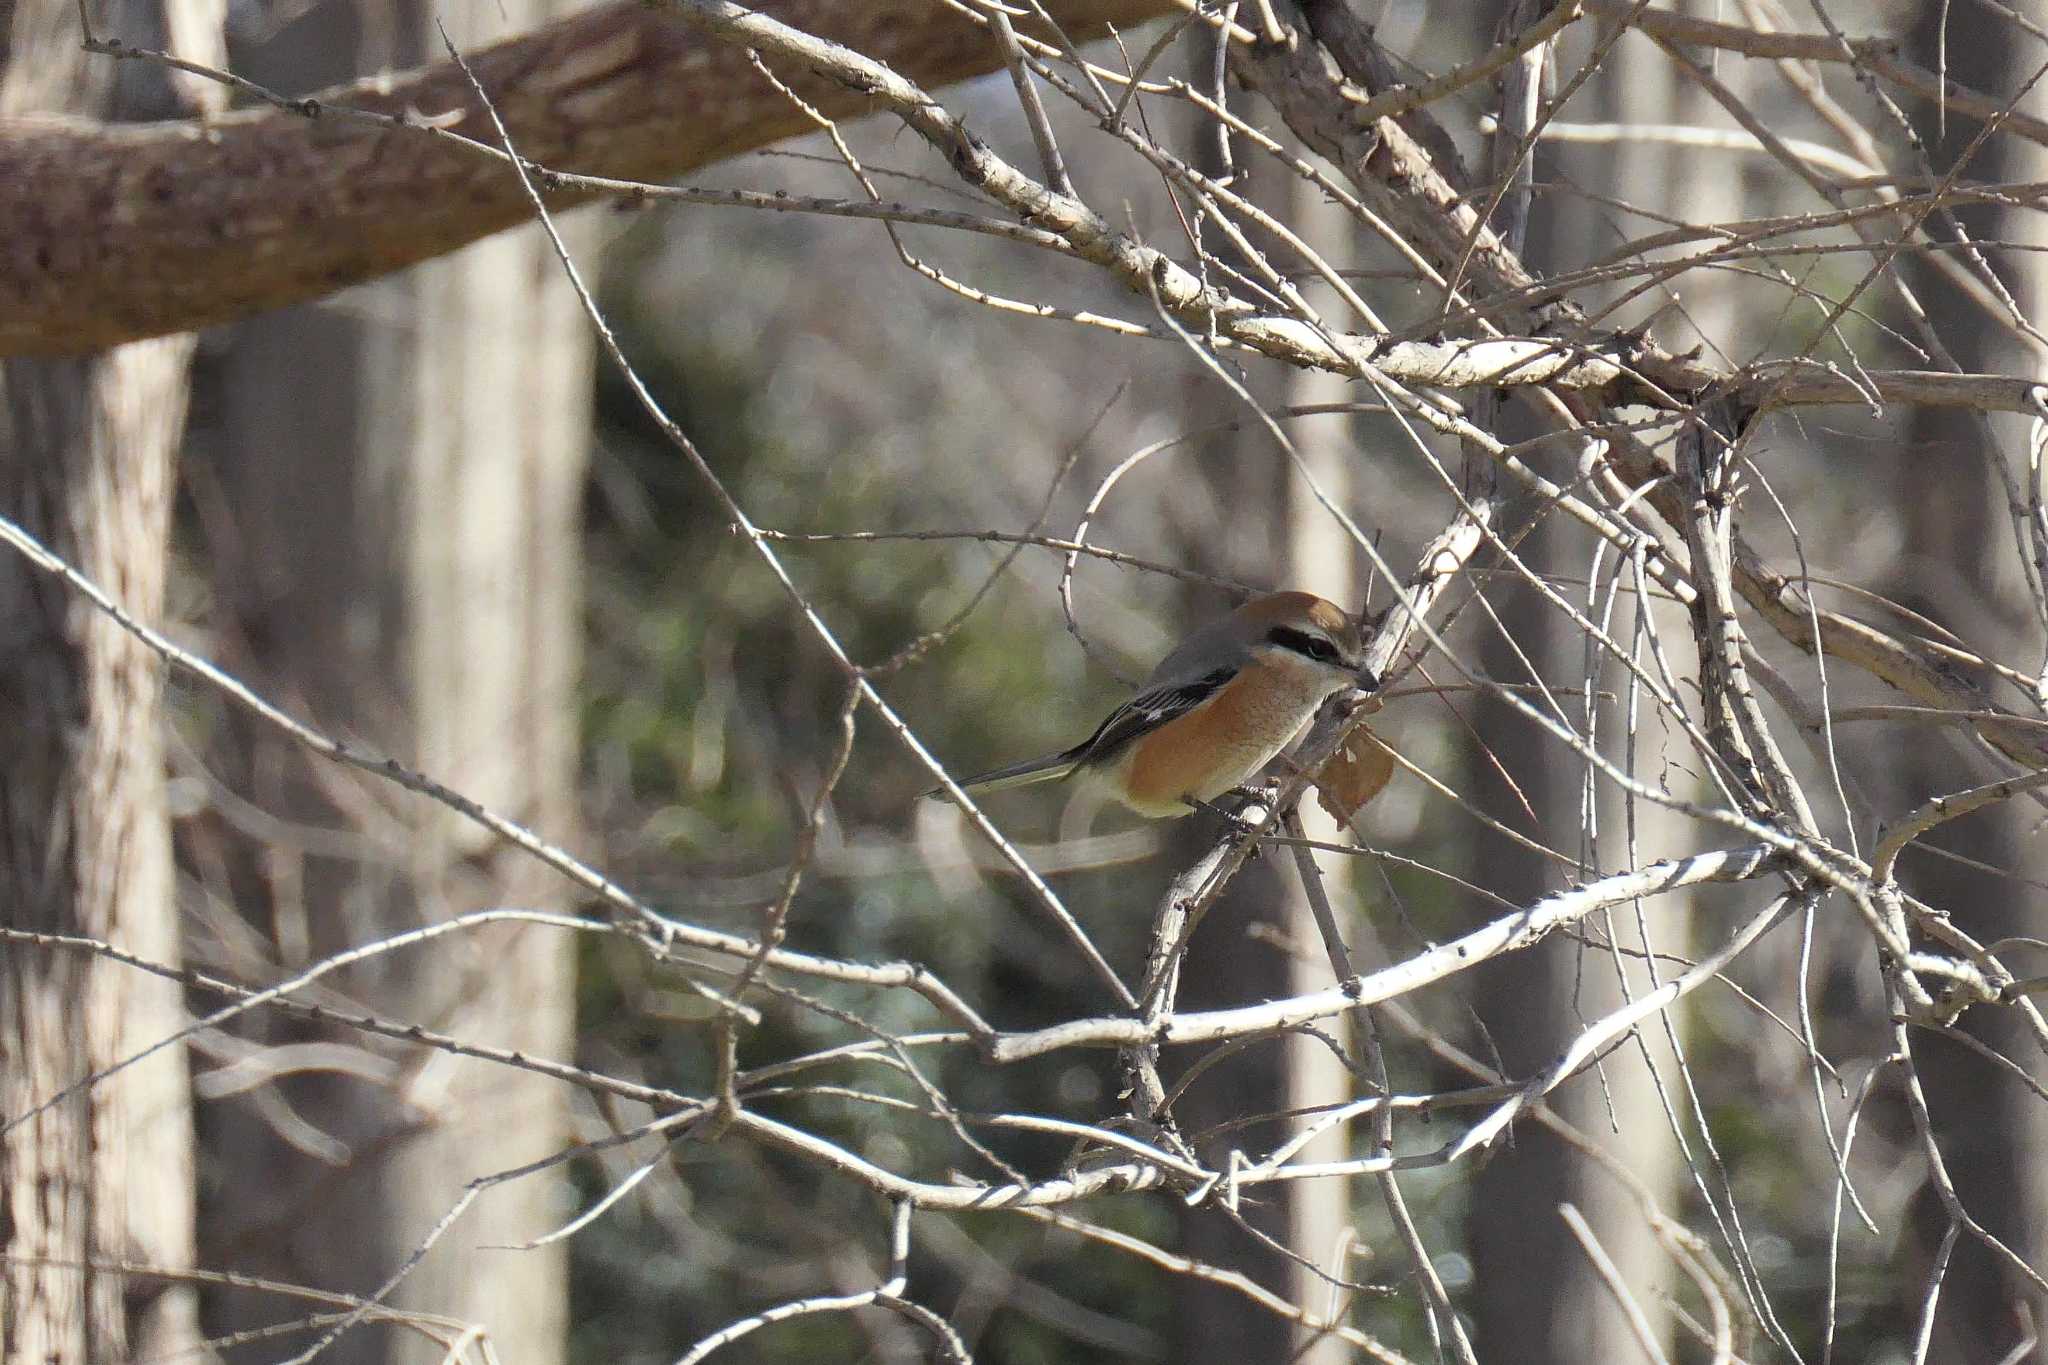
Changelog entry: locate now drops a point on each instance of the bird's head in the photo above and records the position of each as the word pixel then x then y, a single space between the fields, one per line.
pixel 1299 627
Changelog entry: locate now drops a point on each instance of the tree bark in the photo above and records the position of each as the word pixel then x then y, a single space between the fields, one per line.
pixel 87 448
pixel 399 492
pixel 122 233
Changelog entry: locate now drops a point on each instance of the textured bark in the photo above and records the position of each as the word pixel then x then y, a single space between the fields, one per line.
pixel 400 489
pixel 120 233
pixel 86 452
pixel 85 458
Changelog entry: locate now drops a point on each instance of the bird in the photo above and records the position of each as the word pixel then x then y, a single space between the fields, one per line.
pixel 1214 712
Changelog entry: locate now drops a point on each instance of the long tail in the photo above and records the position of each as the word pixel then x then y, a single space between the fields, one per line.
pixel 1051 768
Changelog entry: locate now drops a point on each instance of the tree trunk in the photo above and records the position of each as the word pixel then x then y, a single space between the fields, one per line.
pixel 1259 941
pixel 87 448
pixel 1317 555
pixel 400 485
pixel 1992 1130
pixel 1539 1297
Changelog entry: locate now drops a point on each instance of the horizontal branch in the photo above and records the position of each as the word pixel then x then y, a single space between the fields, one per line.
pixel 124 232
pixel 1877 55
pixel 1503 935
pixel 1517 362
pixel 1116 1179
pixel 1807 383
pixel 121 232
pixel 272 999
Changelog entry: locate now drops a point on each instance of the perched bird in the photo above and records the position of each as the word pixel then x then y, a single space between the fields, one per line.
pixel 1215 711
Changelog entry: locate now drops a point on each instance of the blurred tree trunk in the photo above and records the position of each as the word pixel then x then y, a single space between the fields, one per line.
pixel 1316 554
pixel 87 448
pixel 397 512
pixel 1259 941
pixel 1992 1130
pixel 1229 962
pixel 1539 1297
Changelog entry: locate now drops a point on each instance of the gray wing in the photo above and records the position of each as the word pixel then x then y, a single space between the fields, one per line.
pixel 1146 712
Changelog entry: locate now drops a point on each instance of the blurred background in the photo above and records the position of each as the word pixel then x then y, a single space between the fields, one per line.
pixel 424 514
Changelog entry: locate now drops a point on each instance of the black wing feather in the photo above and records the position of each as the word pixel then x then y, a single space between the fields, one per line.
pixel 1146 712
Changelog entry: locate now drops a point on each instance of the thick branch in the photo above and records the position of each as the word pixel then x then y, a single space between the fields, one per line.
pixel 122 233
pixel 118 233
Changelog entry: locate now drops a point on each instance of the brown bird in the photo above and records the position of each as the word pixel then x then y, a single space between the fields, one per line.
pixel 1215 711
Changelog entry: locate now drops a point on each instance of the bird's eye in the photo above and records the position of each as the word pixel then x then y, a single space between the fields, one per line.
pixel 1301 642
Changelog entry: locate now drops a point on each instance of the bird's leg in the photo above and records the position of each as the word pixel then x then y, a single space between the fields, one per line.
pixel 1243 827
pixel 1228 817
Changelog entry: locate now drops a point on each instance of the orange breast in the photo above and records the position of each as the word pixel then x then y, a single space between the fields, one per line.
pixel 1223 742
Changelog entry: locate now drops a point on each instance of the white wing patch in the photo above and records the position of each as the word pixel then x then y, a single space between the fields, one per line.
pixel 1146 712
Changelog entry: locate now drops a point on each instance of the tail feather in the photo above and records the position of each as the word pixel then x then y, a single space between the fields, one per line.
pixel 1051 768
